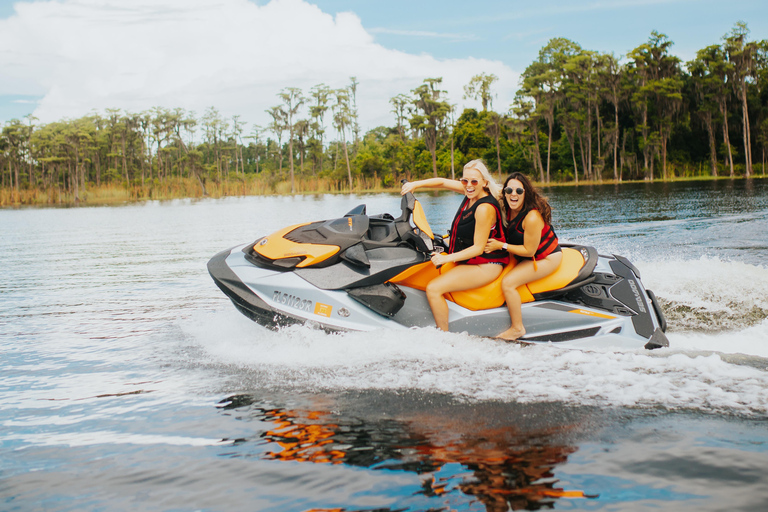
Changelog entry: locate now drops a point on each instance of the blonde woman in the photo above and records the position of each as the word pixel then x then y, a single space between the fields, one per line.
pixel 478 219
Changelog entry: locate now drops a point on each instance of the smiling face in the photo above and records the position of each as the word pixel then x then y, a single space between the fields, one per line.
pixel 514 200
pixel 474 184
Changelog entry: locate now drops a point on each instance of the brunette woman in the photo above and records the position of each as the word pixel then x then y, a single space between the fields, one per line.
pixel 530 238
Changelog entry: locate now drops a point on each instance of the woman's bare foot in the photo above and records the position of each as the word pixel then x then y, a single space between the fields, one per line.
pixel 512 334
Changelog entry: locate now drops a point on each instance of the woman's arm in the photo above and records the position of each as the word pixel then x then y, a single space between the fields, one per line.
pixel 485 218
pixel 440 183
pixel 533 224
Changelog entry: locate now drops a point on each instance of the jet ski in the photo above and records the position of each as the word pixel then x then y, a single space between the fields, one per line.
pixel 365 272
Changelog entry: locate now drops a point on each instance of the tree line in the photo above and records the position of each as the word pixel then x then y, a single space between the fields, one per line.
pixel 578 115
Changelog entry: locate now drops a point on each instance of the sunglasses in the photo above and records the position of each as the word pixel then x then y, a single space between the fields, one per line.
pixel 465 182
pixel 509 190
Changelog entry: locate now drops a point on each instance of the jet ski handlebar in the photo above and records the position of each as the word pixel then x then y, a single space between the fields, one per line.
pixel 412 209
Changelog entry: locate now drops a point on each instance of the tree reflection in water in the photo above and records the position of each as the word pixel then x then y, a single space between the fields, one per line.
pixel 501 466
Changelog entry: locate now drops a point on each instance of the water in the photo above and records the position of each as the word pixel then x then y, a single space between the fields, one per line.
pixel 129 382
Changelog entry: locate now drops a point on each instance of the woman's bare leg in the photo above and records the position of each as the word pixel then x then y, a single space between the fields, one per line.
pixel 524 273
pixel 461 277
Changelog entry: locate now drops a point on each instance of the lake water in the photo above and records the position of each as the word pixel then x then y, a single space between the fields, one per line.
pixel 129 382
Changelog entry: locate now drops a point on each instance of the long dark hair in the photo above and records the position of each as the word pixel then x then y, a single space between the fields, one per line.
pixel 533 199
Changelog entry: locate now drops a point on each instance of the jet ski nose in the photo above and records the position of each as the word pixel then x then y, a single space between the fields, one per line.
pixel 657 340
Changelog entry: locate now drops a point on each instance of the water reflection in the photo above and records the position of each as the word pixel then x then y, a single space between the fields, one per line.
pixel 502 466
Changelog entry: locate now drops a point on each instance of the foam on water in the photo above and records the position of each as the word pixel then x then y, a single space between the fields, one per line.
pixel 717 360
pixel 712 295
pixel 108 437
pixel 689 376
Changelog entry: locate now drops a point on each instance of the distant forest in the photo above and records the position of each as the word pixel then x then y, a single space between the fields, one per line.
pixel 578 115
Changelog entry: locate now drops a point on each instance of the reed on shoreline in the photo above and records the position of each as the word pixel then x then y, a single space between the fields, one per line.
pixel 189 188
pixel 179 188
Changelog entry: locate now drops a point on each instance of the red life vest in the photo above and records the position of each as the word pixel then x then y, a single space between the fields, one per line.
pixel 515 236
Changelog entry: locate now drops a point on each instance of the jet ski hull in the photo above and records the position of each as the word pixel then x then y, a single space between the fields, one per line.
pixel 610 309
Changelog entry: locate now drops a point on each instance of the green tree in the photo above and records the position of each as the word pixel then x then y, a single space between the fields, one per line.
pixel 656 96
pixel 293 100
pixel 237 135
pixel 708 75
pixel 342 118
pixel 666 85
pixel 355 124
pixel 278 126
pixel 319 94
pixel 479 88
pixel 525 117
pixel 302 132
pixel 401 107
pixel 78 136
pixel 741 54
pixel 13 139
pixel 543 81
pixel 582 91
pixel 610 76
pixel 493 128
pixel 432 113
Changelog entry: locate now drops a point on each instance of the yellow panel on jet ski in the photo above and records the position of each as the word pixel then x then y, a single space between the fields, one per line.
pixel 490 295
pixel 420 219
pixel 417 276
pixel 276 247
pixel 485 297
pixel 565 273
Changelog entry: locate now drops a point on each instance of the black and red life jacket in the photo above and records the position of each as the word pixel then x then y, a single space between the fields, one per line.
pixel 463 232
pixel 515 236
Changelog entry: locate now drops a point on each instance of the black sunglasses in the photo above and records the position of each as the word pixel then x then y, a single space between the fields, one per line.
pixel 509 190
pixel 465 182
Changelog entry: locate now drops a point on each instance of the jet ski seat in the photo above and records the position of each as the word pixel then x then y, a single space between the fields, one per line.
pixel 575 270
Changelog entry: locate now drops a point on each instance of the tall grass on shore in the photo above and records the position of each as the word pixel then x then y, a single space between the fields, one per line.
pixel 186 188
pixel 180 188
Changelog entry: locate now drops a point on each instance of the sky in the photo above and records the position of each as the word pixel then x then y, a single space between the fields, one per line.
pixel 63 59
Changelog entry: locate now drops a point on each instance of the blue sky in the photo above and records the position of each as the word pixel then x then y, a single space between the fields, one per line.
pixel 67 58
pixel 514 31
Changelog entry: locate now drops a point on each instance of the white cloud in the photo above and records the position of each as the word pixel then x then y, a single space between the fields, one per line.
pixel 82 55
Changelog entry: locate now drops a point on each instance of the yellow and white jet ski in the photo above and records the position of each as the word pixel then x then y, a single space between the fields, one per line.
pixel 361 273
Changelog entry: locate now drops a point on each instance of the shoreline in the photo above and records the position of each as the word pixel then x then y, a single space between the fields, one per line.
pixel 187 188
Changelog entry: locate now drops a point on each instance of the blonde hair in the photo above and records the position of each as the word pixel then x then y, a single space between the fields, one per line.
pixel 493 188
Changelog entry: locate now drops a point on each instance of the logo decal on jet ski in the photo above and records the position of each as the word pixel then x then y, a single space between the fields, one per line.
pixel 638 298
pixel 323 309
pixel 292 301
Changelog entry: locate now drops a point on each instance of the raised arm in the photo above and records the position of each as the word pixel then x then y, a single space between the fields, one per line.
pixel 438 183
